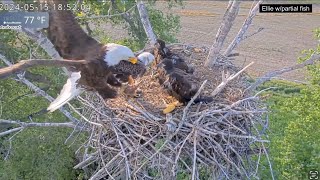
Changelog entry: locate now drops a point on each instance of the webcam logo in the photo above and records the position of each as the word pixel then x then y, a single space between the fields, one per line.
pixel 314 174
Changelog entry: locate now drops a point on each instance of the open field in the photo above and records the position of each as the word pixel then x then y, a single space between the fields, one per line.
pixel 277 46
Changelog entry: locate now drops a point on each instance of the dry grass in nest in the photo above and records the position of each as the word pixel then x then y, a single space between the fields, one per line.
pixel 131 138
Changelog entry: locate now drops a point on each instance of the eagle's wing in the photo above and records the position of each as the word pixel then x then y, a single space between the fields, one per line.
pixel 68 92
pixel 68 37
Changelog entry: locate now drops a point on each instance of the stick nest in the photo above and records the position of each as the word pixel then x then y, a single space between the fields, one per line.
pixel 131 137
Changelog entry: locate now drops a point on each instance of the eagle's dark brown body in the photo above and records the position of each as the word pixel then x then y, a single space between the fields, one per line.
pixel 72 42
pixel 180 84
pixel 162 52
pixel 176 75
pixel 123 70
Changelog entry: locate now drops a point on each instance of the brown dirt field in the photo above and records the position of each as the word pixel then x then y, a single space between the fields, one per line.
pixel 275 47
pixel 278 45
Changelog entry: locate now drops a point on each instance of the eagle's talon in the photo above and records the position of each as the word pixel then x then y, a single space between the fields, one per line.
pixel 130 80
pixel 170 107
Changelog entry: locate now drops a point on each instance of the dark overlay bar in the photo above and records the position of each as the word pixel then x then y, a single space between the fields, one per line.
pixel 17 20
pixel 285 8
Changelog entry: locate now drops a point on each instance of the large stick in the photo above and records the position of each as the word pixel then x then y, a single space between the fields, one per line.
pixel 226 79
pixel 32 124
pixel 25 64
pixel 146 23
pixel 40 92
pixel 269 75
pixel 243 29
pixel 226 24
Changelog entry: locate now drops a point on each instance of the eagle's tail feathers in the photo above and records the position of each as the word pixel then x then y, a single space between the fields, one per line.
pixel 68 92
pixel 204 99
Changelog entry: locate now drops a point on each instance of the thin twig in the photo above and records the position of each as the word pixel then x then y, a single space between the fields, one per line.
pixel 194 154
pixel 11 131
pixel 226 79
pixel 246 24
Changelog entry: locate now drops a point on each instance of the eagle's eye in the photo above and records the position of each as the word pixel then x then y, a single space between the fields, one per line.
pixel 174 61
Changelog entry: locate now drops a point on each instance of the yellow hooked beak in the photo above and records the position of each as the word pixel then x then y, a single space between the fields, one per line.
pixel 133 60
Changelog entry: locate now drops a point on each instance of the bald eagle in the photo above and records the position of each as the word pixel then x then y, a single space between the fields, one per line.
pixel 176 76
pixel 165 53
pixel 125 69
pixel 72 42
pixel 72 88
pixel 125 73
pixel 146 58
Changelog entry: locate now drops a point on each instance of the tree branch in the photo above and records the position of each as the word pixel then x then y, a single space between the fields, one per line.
pixel 146 23
pixel 32 124
pixel 126 16
pixel 10 131
pixel 40 91
pixel 226 24
pixel 243 29
pixel 25 64
pixel 226 78
pixel 269 75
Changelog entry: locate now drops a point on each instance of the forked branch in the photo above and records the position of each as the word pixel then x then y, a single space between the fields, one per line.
pixel 25 64
pixel 313 59
pixel 32 124
pixel 226 78
pixel 226 24
pixel 243 29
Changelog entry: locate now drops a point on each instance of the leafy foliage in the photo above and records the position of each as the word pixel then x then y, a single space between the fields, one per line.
pixel 313 70
pixel 294 132
pixel 164 25
pixel 294 125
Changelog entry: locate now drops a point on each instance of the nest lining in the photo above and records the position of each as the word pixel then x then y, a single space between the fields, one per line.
pixel 154 98
pixel 137 140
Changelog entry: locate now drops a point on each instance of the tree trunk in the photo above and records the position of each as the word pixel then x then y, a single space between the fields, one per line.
pixel 226 24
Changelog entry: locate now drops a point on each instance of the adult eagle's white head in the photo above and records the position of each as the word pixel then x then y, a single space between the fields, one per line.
pixel 116 53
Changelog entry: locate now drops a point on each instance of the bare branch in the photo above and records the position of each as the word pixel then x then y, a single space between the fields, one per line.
pixel 39 91
pixel 223 31
pixel 243 29
pixel 146 23
pixel 10 131
pixel 250 35
pixel 194 154
pixel 313 59
pixel 32 124
pixel 25 64
pixel 226 79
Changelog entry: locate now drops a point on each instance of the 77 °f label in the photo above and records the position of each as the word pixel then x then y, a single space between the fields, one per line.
pixel 18 20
